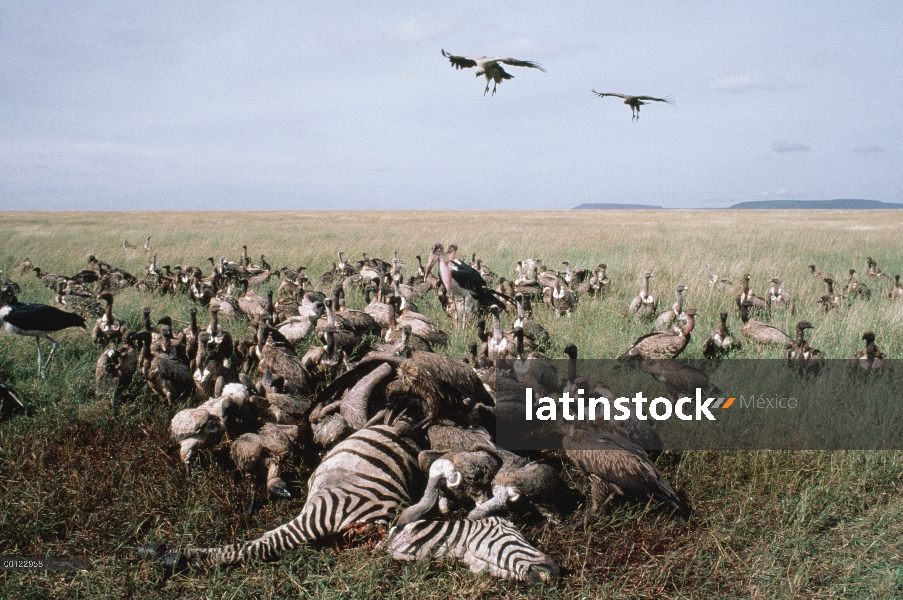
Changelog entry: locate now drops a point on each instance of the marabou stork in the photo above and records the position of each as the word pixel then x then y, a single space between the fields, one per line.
pixel 461 279
pixel 37 320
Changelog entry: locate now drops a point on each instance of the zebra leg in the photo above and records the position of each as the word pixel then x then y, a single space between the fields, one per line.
pixel 266 548
pixel 325 514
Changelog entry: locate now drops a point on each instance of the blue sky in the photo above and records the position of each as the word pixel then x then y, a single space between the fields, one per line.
pixel 351 105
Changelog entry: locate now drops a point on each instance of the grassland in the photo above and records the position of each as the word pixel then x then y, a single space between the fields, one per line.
pixel 78 477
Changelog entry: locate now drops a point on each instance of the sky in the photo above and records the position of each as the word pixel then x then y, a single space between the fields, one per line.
pixel 351 105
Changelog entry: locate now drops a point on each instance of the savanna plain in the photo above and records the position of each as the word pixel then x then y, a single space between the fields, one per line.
pixel 80 477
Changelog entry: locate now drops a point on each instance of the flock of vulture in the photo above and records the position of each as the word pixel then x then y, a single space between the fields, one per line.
pixel 379 372
pixel 492 70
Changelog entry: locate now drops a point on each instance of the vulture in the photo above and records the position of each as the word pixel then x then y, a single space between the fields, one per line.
pixel 857 288
pixel 634 102
pixel 778 297
pixel 667 318
pixel 449 387
pixel 896 292
pixel 661 344
pixel 870 359
pixel 803 357
pixel 719 283
pixel 832 299
pixel 756 303
pixel 761 332
pixel 644 304
pixel 677 377
pixel 720 341
pixel 489 67
pixel 616 466
pixel 114 371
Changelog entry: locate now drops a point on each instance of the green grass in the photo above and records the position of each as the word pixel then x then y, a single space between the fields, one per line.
pixel 78 477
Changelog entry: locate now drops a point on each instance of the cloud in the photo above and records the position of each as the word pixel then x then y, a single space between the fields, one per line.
pixel 790 147
pixel 867 149
pixel 745 82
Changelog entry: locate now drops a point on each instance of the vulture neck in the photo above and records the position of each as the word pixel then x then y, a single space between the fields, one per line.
pixel 392 317
pixel 330 343
pixel 214 322
pixel 496 327
pixel 330 315
pixel 679 305
pixel 686 329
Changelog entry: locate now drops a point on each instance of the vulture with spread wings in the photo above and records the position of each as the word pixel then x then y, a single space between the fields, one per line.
pixel 635 102
pixel 489 67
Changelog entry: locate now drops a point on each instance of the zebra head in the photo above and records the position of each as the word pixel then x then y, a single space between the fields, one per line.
pixel 492 544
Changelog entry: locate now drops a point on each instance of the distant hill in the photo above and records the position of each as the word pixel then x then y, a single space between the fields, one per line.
pixel 606 206
pixel 821 204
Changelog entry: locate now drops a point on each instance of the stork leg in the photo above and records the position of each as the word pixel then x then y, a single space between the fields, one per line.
pixel 464 307
pixel 451 295
pixel 37 340
pixel 56 345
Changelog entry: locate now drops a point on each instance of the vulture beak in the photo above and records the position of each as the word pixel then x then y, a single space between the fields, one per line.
pixel 500 497
pixel 442 469
pixel 277 487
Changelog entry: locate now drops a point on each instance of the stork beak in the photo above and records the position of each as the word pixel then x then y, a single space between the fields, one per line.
pixel 431 262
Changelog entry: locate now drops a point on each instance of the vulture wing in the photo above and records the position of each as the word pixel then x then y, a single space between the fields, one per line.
pixel 459 62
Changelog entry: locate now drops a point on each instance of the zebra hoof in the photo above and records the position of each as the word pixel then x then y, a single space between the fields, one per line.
pixel 155 550
pixel 544 573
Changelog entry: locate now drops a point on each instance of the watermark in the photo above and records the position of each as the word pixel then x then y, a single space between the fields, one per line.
pixel 702 405
pixel 45 563
pixel 660 409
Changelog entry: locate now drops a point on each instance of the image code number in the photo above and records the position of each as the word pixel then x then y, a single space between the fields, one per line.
pixel 49 563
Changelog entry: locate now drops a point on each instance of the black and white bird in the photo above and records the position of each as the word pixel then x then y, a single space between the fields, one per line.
pixel 634 102
pixel 37 320
pixel 490 67
pixel 462 280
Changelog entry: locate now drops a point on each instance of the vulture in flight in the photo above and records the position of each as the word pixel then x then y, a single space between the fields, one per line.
pixel 635 102
pixel 489 67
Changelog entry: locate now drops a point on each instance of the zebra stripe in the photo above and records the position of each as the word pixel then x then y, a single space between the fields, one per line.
pixel 363 479
pixel 492 544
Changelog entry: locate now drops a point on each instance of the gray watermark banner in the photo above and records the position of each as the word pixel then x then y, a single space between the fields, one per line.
pixel 700 404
